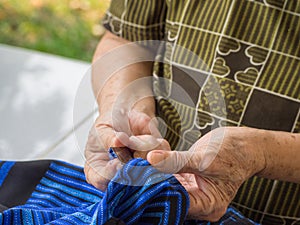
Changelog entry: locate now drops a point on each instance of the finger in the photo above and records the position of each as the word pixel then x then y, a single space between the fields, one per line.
pixel 142 151
pixel 116 120
pixel 144 142
pixel 198 212
pixel 99 169
pixel 203 203
pixel 107 137
pixel 99 173
pixel 175 161
pixel 198 200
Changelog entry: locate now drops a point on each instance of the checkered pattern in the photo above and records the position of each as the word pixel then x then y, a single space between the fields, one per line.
pixel 237 63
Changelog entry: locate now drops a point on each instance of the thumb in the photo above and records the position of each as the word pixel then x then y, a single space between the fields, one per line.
pixel 174 161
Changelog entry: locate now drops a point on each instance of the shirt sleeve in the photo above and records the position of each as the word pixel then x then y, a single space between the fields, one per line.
pixel 136 20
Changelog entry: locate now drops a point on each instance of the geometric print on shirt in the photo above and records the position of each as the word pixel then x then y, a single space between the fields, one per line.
pixel 247 70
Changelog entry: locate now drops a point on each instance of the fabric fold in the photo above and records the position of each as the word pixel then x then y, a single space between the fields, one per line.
pixel 138 194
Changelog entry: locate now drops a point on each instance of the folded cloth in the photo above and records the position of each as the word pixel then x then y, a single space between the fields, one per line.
pixel 55 192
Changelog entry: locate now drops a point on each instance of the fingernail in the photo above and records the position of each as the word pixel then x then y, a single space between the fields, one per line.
pixel 160 140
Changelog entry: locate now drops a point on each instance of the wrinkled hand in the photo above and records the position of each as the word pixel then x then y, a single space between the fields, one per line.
pixel 135 130
pixel 213 169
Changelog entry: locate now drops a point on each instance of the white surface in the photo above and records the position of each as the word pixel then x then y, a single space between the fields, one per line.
pixel 72 148
pixel 37 94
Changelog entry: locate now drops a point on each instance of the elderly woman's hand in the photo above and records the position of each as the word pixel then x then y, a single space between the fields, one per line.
pixel 135 130
pixel 214 168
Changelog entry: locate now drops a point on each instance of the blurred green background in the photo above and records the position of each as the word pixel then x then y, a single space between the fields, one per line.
pixel 68 28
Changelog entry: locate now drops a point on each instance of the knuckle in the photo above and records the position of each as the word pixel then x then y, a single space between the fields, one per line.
pixel 99 183
pixel 140 154
pixel 113 142
pixel 86 172
pixel 145 120
pixel 164 144
pixel 96 178
pixel 217 214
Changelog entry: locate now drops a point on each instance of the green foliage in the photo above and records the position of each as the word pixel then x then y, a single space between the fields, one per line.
pixel 69 28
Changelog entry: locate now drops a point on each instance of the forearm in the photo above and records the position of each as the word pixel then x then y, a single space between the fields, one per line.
pixel 282 154
pixel 281 151
pixel 120 71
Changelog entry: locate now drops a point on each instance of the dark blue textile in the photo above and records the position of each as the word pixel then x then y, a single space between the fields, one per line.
pixel 5 168
pixel 138 194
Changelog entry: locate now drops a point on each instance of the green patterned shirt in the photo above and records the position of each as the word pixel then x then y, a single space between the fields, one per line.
pixel 224 63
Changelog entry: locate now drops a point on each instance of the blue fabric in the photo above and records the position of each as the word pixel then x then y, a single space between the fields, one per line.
pixel 5 168
pixel 138 194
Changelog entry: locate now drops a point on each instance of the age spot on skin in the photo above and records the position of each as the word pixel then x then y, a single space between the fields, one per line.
pixel 293 136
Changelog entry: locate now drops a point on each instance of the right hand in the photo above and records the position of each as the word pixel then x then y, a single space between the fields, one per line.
pixel 135 130
pixel 215 167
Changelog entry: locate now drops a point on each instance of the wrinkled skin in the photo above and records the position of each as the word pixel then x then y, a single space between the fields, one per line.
pixel 140 134
pixel 212 170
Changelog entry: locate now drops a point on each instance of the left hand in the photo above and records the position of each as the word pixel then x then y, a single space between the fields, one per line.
pixel 135 130
pixel 213 169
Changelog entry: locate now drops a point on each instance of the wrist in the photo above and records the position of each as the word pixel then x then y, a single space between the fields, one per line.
pixel 254 147
pixel 259 147
pixel 282 158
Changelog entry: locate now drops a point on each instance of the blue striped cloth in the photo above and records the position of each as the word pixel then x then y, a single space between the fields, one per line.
pixel 138 194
